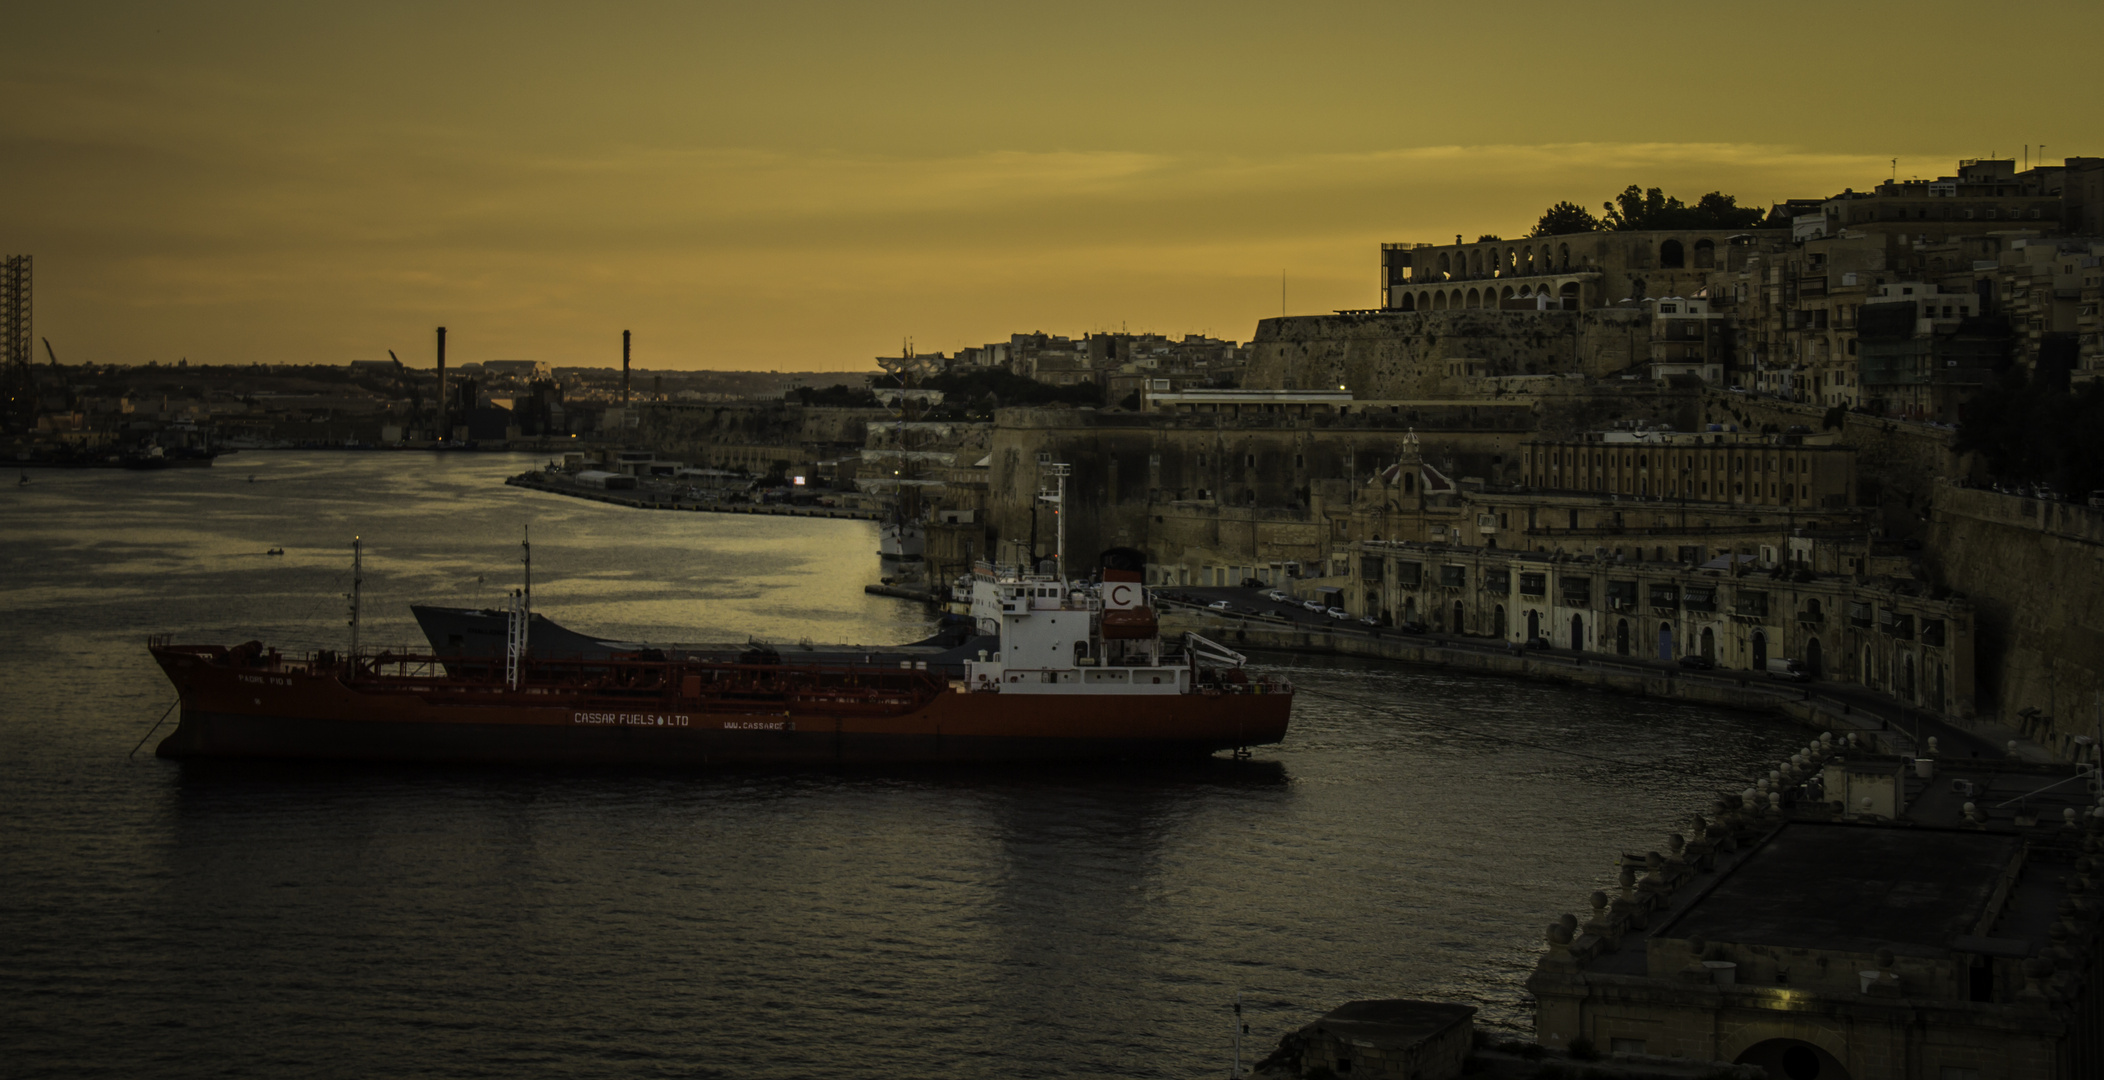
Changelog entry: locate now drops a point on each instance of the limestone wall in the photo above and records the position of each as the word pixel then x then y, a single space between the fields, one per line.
pixel 1200 490
pixel 2035 573
pixel 1437 354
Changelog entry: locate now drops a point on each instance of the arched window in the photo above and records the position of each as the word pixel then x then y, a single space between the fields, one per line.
pixel 1475 299
pixel 1705 254
pixel 1446 268
pixel 1409 301
pixel 1671 256
pixel 1564 252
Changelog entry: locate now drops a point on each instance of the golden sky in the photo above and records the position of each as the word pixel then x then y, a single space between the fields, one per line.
pixel 798 186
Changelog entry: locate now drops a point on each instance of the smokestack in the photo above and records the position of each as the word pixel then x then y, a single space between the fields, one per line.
pixel 624 369
pixel 443 430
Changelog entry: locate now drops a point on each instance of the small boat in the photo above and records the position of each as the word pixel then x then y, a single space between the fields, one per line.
pixel 275 551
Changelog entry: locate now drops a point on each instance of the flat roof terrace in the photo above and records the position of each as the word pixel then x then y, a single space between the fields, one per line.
pixel 1856 889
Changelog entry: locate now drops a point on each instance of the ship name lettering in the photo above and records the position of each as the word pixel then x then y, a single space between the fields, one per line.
pixel 633 719
pixel 752 725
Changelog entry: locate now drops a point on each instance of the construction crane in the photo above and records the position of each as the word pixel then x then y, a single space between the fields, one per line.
pixel 15 309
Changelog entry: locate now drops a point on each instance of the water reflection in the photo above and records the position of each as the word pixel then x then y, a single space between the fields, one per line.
pixel 1410 838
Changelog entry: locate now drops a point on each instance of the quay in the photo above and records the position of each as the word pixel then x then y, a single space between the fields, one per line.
pixel 647 500
pixel 1828 705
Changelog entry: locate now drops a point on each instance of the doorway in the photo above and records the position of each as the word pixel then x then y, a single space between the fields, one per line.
pixel 1498 620
pixel 1577 632
pixel 1760 651
pixel 1811 658
pixel 1665 641
pixel 1458 625
pixel 1709 645
pixel 1533 625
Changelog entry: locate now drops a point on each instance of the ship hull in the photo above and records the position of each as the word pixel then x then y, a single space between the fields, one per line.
pixel 234 713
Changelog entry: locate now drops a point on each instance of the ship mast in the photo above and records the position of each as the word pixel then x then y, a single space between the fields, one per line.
pixel 521 617
pixel 526 557
pixel 357 587
pixel 1058 498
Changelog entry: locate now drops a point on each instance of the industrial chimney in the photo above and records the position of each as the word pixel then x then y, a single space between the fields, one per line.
pixel 443 430
pixel 624 369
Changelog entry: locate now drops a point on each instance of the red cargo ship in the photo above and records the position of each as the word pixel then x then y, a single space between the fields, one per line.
pixel 1082 672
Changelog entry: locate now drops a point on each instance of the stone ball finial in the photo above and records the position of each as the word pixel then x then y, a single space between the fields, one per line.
pixel 1653 860
pixel 1558 935
pixel 1598 900
pixel 1676 843
pixel 1568 921
pixel 1627 877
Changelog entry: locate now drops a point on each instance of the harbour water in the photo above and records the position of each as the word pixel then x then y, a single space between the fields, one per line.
pixel 1412 836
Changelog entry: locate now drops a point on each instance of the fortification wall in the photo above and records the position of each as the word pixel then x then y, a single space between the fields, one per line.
pixel 1201 489
pixel 1436 354
pixel 2035 574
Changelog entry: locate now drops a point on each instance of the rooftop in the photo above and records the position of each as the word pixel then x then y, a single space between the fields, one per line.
pixel 1855 889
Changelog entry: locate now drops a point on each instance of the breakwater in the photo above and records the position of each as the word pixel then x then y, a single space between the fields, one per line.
pixel 642 499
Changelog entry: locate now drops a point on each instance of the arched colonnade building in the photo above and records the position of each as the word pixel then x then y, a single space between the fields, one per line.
pixel 1571 272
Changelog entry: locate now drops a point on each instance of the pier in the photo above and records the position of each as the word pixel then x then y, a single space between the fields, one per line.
pixel 653 500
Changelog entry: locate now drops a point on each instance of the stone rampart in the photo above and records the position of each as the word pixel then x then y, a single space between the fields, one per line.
pixel 2034 571
pixel 1438 354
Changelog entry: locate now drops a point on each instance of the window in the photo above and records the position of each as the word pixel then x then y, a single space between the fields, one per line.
pixel 1534 584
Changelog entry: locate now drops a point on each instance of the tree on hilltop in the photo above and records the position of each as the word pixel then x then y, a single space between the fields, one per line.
pixel 1565 217
pixel 1637 209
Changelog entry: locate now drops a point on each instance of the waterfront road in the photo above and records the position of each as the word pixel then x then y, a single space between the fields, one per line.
pixel 1850 705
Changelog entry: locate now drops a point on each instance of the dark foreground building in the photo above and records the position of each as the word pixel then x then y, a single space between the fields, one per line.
pixel 1855 917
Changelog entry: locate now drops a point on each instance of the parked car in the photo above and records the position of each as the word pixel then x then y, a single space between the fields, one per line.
pixel 1411 626
pixel 1312 605
pixel 1220 605
pixel 1338 613
pixel 1369 620
pixel 1252 583
pixel 1278 597
pixel 1697 661
pixel 1536 642
pixel 1791 670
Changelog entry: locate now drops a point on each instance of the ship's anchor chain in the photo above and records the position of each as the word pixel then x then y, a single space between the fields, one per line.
pixel 156 726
